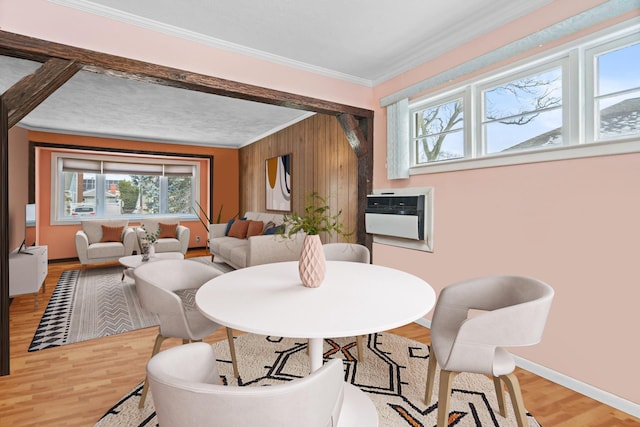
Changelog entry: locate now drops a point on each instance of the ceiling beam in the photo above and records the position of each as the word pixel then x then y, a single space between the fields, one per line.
pixel 28 48
pixel 24 96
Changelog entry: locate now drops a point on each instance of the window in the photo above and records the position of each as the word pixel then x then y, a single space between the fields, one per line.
pixel 524 113
pixel 616 92
pixel 438 131
pixel 579 100
pixel 113 186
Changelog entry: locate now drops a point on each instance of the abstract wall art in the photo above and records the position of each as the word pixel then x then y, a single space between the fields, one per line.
pixel 278 178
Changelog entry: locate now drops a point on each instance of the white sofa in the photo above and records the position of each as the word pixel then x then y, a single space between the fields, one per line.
pixel 255 250
pixel 179 243
pixel 91 250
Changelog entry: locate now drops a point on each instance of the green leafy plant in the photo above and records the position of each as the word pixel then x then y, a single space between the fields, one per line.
pixel 317 218
pixel 152 238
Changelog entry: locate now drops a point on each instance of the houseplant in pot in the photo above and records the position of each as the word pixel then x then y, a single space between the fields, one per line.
pixel 317 218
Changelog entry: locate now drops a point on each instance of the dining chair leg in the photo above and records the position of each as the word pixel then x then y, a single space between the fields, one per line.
pixel 502 408
pixel 359 340
pixel 431 375
pixel 515 393
pixel 232 350
pixel 145 387
pixel 444 397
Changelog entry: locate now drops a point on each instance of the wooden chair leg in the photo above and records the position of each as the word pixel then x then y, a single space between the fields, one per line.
pixel 145 387
pixel 502 408
pixel 444 397
pixel 232 350
pixel 431 375
pixel 515 393
pixel 360 345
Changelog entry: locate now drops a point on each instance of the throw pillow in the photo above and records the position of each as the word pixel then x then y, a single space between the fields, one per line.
pixel 167 231
pixel 111 234
pixel 229 224
pixel 268 225
pixel 239 229
pixel 275 230
pixel 255 228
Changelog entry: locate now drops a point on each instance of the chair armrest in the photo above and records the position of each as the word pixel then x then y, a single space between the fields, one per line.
pixel 183 233
pixel 274 248
pixel 129 240
pixel 216 230
pixel 82 246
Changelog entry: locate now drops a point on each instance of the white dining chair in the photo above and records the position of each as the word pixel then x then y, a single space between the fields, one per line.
pixel 187 391
pixel 158 284
pixel 351 252
pixel 513 312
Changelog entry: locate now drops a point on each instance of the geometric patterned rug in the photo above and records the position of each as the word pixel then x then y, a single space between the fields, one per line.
pixel 93 303
pixel 88 304
pixel 393 374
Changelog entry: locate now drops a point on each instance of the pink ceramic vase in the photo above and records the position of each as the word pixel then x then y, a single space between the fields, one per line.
pixel 312 265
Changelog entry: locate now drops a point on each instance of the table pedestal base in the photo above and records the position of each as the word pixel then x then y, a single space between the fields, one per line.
pixel 315 353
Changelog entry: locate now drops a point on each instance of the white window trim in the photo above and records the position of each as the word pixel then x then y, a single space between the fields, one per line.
pixel 576 109
pixel 56 195
pixel 432 102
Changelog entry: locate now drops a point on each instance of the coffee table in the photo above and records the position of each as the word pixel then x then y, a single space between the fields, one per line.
pixel 133 261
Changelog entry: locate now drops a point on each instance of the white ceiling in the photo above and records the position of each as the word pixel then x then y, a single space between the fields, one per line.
pixel 362 41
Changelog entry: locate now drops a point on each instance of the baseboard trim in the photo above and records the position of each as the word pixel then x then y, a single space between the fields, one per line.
pixel 590 391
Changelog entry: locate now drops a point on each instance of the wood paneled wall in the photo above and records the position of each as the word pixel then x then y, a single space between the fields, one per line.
pixel 322 161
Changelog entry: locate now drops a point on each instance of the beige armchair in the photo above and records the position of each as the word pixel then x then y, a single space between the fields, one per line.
pixel 187 391
pixel 351 252
pixel 514 313
pixel 159 285
pixel 176 242
pixel 104 240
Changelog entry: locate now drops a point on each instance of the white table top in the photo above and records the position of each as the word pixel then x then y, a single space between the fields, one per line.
pixel 354 299
pixel 134 261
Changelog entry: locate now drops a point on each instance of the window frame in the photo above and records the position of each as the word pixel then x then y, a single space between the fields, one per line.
pixel 562 62
pixel 432 102
pixel 578 65
pixel 57 193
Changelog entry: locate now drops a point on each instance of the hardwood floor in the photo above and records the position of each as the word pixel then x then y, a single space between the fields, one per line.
pixel 75 384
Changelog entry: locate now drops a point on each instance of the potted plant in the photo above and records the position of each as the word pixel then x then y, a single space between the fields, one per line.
pixel 147 242
pixel 317 218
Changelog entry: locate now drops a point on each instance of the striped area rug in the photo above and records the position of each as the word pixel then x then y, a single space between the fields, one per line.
pixel 88 304
pixel 94 303
pixel 393 374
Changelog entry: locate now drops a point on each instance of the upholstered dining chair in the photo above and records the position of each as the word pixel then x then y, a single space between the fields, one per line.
pixel 163 287
pixel 187 391
pixel 352 252
pixel 513 312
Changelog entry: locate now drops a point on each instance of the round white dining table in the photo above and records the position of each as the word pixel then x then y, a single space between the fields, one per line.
pixel 354 299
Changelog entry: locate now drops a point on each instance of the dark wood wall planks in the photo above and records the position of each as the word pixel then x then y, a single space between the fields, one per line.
pixel 322 161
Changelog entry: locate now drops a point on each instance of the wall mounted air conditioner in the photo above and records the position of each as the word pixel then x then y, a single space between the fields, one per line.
pixel 395 215
pixel 401 217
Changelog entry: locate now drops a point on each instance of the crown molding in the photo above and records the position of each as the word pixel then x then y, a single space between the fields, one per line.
pixel 129 18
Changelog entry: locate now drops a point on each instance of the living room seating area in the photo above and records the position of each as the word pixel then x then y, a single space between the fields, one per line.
pixel 107 240
pixel 253 240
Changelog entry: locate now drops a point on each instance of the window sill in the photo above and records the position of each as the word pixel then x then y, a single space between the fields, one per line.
pixel 548 155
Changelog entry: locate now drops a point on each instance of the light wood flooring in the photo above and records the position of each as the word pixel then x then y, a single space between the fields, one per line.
pixel 74 385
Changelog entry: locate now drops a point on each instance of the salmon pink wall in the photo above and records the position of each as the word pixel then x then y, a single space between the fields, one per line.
pixel 572 223
pixel 61 238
